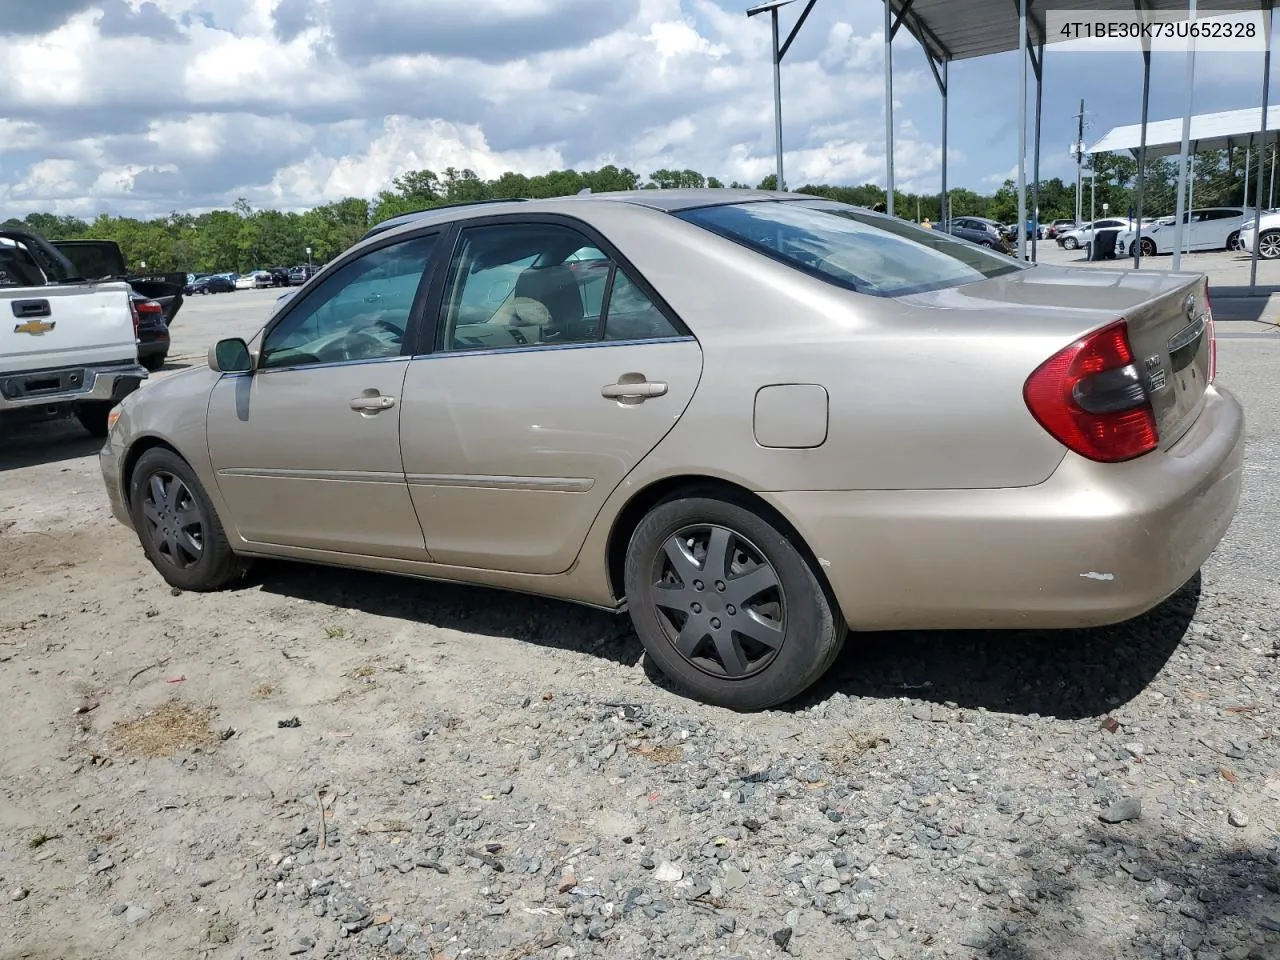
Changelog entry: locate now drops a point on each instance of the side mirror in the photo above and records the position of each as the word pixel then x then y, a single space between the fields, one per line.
pixel 230 356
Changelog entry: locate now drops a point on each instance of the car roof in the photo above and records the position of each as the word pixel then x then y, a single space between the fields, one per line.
pixel 666 201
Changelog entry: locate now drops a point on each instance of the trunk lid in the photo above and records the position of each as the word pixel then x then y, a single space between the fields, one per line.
pixel 1171 336
pixel 1168 315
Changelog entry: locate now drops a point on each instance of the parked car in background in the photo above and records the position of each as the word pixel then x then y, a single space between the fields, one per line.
pixel 979 230
pixel 152 331
pixel 300 275
pixel 1052 230
pixel 796 415
pixel 279 276
pixel 1269 248
pixel 1210 228
pixel 1083 235
pixel 68 346
pixel 104 260
pixel 217 283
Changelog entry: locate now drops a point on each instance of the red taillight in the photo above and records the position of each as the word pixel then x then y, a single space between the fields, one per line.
pixel 1090 397
pixel 150 306
pixel 1213 336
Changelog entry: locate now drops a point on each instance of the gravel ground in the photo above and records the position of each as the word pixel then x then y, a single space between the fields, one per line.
pixel 501 777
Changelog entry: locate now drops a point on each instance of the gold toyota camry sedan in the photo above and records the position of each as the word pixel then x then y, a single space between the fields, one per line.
pixel 751 420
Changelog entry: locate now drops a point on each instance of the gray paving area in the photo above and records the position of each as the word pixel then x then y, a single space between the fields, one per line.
pixel 323 763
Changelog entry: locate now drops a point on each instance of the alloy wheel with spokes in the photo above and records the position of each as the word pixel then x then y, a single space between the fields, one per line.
pixel 1269 246
pixel 174 521
pixel 178 525
pixel 725 602
pixel 720 601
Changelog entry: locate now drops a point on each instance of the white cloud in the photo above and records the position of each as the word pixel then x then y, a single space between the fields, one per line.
pixel 269 100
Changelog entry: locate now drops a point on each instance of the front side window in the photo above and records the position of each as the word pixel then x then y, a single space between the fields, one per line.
pixel 359 312
pixel 519 285
pixel 842 244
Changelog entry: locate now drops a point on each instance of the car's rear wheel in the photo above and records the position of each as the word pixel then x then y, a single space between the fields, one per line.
pixel 1233 241
pixel 727 606
pixel 1071 243
pixel 1148 247
pixel 177 525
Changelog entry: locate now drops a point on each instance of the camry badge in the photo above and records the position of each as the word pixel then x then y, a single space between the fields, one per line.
pixel 37 328
pixel 1156 377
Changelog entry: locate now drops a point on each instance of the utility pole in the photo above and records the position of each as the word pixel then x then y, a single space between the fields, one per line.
pixel 1079 152
pixel 1093 192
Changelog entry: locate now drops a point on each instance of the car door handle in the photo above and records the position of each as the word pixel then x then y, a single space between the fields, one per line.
pixel 372 404
pixel 641 390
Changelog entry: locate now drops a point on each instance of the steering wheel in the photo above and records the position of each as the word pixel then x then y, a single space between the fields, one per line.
pixel 388 325
pixel 360 346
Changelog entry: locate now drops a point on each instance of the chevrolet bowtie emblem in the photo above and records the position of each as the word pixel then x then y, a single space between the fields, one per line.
pixel 37 328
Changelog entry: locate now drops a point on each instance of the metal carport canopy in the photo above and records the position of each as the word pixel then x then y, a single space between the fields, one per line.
pixel 1209 131
pixel 965 29
pixel 950 30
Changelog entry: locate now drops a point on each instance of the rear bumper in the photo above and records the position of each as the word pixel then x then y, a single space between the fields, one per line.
pixel 76 385
pixel 150 346
pixel 1094 544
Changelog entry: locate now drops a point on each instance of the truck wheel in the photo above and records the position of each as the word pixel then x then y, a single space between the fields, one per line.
pixel 154 362
pixel 93 416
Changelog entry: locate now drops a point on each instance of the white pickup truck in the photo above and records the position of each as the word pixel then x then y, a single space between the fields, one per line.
pixel 67 346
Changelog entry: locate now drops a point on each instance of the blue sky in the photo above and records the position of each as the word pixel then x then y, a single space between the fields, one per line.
pixel 146 106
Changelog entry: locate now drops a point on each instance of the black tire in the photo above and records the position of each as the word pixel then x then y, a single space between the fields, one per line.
pixel 799 613
pixel 188 514
pixel 1233 242
pixel 93 416
pixel 1148 247
pixel 1269 245
pixel 154 361
pixel 1071 243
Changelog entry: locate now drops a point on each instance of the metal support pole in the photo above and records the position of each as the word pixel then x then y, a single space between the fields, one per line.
pixel 1266 95
pixel 1079 162
pixel 1022 133
pixel 1035 165
pixel 777 100
pixel 1191 195
pixel 945 210
pixel 1179 228
pixel 1093 195
pixel 1142 151
pixel 888 105
pixel 1248 155
pixel 1271 191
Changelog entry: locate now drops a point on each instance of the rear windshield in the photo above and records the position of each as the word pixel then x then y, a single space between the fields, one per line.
pixel 845 245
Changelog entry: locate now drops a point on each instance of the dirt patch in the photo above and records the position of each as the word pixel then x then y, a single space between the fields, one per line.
pixel 172 727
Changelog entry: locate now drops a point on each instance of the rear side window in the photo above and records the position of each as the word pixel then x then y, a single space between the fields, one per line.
pixel 845 245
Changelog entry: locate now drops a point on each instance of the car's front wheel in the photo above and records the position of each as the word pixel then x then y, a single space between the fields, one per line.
pixel 177 525
pixel 727 606
pixel 1071 243
pixel 1269 245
